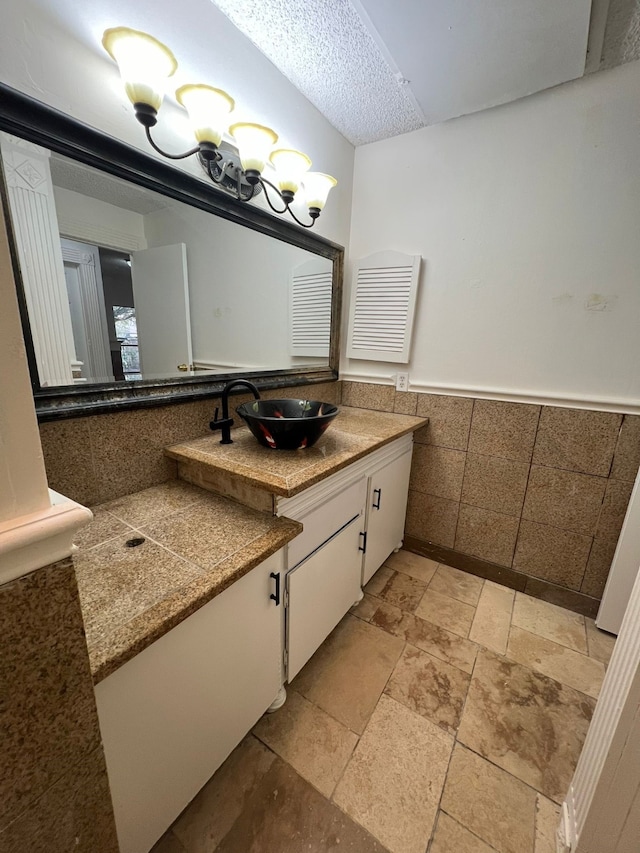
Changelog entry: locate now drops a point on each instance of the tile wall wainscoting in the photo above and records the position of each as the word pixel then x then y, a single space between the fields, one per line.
pixel 54 793
pixel 531 496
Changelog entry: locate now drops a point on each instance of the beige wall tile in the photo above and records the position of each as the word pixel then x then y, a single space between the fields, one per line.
pixel 73 814
pixel 547 823
pixel 600 643
pixel 399 765
pixel 485 534
pixel 490 802
pixel 68 461
pixel 549 621
pixel 564 499
pixel 431 638
pixel 430 687
pixel 208 818
pixel 528 724
pixel 437 471
pixel 507 430
pixel 598 567
pixel 449 420
pixel 49 721
pixel 490 626
pixel 313 743
pixel 348 673
pixel 576 439
pixel 614 508
pixel 127 452
pixel 405 402
pixel 447 612
pixel 366 395
pixel 626 458
pixel 457 584
pixel 432 519
pixel 494 483
pixel 413 565
pixel 556 555
pixel 565 665
pixel 452 837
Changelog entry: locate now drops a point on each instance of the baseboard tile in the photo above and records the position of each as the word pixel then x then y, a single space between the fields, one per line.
pixel 576 601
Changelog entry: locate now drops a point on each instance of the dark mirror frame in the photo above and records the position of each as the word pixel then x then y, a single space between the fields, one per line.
pixel 36 122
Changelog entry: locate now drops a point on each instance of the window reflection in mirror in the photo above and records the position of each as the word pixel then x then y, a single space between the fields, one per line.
pixel 122 283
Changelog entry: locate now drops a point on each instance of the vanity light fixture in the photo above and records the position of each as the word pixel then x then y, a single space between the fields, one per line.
pixel 146 65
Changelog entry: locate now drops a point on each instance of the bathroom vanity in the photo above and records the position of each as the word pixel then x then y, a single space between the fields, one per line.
pixel 184 679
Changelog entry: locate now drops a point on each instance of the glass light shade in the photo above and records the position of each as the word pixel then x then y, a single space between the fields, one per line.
pixel 290 166
pixel 316 188
pixel 144 63
pixel 254 143
pixel 208 109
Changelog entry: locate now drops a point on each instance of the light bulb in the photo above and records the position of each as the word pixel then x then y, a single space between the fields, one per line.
pixel 254 143
pixel 316 189
pixel 290 166
pixel 144 63
pixel 208 110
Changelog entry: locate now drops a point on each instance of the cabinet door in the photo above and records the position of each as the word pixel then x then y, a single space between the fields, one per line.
pixel 388 490
pixel 320 591
pixel 171 715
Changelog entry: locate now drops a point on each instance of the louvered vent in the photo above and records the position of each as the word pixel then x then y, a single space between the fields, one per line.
pixel 382 307
pixel 311 285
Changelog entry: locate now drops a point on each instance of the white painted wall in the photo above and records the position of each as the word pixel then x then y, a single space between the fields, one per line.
pixel 52 52
pixel 528 220
pixel 91 220
pixel 238 287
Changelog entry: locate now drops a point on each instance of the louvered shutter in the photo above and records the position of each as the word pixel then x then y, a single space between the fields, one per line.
pixel 311 285
pixel 383 300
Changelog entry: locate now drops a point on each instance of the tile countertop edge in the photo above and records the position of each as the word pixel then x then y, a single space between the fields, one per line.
pixel 130 639
pixel 267 481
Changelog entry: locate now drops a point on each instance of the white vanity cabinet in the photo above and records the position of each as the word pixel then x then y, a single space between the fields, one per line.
pixel 388 488
pixel 171 715
pixel 352 521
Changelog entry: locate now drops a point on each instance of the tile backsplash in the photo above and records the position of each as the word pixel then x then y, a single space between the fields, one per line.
pixel 102 457
pixel 542 490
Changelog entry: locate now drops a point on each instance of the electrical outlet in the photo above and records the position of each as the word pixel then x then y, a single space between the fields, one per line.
pixel 402 381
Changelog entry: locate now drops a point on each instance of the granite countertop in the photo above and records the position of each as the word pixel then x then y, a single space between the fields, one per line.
pixel 196 544
pixel 353 434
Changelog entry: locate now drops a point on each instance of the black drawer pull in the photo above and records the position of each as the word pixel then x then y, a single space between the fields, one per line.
pixel 363 547
pixel 276 596
pixel 377 496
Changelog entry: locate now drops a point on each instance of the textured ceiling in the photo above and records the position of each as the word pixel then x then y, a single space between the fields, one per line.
pixel 622 34
pixel 325 50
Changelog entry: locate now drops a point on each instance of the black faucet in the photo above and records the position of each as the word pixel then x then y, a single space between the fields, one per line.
pixel 225 423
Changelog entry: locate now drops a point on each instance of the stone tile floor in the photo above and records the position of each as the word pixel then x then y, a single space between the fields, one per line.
pixel 444 714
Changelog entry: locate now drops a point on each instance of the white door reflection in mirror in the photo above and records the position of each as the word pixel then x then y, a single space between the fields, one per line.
pixel 83 278
pixel 161 298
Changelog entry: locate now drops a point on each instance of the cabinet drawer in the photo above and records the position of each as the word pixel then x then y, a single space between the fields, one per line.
pixel 321 523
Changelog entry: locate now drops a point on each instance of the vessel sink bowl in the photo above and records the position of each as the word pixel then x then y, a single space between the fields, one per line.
pixel 287 424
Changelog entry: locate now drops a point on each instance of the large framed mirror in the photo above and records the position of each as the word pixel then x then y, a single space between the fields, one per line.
pixel 140 284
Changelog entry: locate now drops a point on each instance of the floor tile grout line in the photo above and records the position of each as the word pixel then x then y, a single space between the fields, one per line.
pixel 471 832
